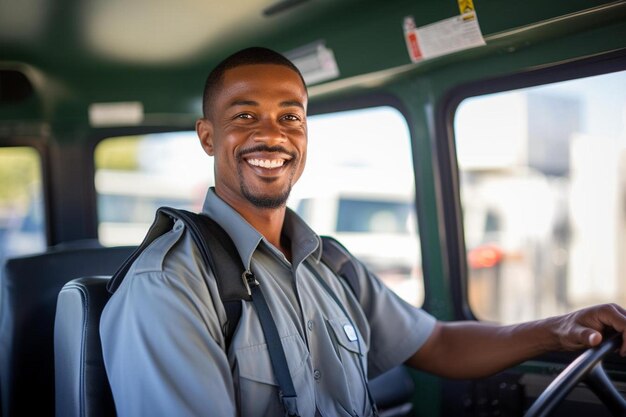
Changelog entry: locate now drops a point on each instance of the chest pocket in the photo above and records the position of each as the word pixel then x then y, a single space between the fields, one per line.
pixel 346 335
pixel 352 362
pixel 258 388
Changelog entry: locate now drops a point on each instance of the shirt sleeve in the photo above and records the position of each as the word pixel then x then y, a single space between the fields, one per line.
pixel 160 354
pixel 397 329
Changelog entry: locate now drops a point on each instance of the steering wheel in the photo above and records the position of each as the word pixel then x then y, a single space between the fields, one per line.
pixel 587 367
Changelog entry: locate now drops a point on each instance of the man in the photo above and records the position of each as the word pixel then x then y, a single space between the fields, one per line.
pixel 162 336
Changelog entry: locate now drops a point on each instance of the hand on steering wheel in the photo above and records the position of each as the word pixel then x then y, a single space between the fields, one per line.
pixel 587 367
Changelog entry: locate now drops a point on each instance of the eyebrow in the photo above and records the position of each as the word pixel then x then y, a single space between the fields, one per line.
pixel 243 103
pixel 288 103
pixel 292 103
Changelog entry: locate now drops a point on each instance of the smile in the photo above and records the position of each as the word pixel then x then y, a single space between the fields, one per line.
pixel 266 163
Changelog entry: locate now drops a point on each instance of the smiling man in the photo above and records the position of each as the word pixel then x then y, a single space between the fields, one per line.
pixel 162 331
pixel 255 127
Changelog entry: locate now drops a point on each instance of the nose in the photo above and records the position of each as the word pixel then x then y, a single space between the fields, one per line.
pixel 270 132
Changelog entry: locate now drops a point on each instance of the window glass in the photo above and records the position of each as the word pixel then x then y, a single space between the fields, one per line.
pixel 347 191
pixel 135 175
pixel 358 187
pixel 373 216
pixel 543 190
pixel 22 223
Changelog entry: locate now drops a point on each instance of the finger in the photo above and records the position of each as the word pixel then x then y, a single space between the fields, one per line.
pixel 620 309
pixel 589 323
pixel 580 337
pixel 614 316
pixel 590 337
pixel 594 338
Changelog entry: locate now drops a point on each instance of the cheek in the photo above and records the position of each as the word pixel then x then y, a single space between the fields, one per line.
pixel 226 149
pixel 225 160
pixel 303 157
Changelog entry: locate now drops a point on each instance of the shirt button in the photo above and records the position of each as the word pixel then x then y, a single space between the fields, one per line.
pixel 309 324
pixel 317 374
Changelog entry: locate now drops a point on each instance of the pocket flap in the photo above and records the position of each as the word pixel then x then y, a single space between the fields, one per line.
pixel 254 361
pixel 346 335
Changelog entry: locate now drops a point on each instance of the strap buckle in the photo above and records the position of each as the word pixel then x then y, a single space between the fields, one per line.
pixel 290 404
pixel 249 281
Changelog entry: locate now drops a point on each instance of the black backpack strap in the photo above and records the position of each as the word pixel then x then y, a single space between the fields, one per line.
pixel 162 224
pixel 339 260
pixel 234 285
pixel 218 253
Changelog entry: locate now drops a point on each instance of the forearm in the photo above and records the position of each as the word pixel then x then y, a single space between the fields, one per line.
pixel 474 349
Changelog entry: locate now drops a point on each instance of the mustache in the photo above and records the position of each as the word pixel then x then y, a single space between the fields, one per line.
pixel 265 148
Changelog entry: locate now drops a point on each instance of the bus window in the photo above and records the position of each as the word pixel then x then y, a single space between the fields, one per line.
pixel 543 190
pixel 364 200
pixel 135 175
pixel 22 223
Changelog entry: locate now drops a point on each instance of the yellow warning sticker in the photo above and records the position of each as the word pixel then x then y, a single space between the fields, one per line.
pixel 466 6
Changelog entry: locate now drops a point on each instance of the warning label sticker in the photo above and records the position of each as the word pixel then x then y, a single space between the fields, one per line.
pixel 466 6
pixel 443 37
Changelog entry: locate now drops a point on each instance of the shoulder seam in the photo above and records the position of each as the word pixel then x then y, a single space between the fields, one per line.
pixel 163 246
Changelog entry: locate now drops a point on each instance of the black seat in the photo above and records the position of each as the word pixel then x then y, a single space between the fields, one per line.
pixel 393 393
pixel 28 295
pixel 82 387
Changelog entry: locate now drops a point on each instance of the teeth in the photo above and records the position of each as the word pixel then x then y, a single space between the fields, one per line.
pixel 267 163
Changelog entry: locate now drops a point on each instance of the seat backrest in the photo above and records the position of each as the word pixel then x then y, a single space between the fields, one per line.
pixel 28 295
pixel 82 387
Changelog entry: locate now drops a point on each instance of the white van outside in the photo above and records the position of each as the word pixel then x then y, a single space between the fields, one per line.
pixel 376 223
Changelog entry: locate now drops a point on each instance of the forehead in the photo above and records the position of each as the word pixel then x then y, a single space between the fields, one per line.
pixel 262 81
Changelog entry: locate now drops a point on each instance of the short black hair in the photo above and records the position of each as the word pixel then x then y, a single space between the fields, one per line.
pixel 249 56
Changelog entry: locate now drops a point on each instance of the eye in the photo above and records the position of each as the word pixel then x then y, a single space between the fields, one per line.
pixel 245 116
pixel 291 118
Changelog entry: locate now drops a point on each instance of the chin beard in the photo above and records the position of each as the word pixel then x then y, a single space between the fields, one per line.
pixel 266 201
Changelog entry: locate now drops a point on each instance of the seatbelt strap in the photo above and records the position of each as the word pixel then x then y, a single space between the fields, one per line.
pixel 286 391
pixel 215 243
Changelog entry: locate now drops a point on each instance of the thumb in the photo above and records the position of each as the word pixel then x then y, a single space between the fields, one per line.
pixel 594 337
pixel 581 337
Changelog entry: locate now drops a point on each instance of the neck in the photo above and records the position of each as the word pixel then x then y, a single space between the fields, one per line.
pixel 268 222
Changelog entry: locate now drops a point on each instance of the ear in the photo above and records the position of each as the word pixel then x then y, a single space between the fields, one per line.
pixel 204 129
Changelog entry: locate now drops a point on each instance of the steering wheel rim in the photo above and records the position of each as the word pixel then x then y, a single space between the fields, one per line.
pixel 587 367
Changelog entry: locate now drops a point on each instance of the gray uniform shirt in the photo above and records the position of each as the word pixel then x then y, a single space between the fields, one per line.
pixel 164 348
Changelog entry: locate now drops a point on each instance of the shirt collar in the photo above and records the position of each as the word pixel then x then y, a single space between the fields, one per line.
pixel 304 241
